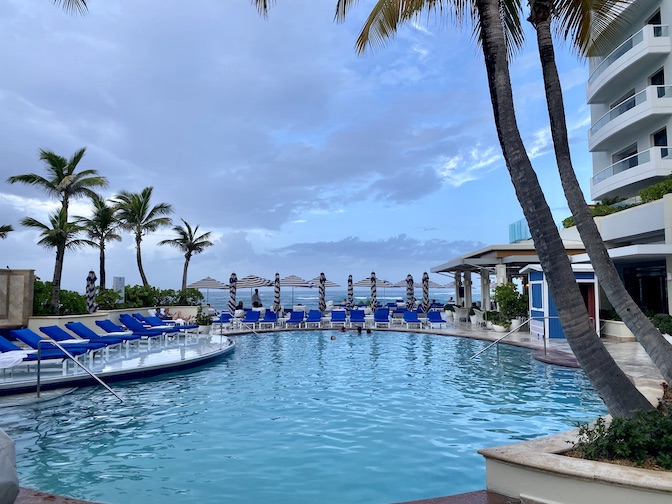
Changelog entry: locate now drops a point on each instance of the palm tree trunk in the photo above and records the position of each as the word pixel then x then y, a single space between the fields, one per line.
pixel 618 393
pixel 650 338
pixel 102 265
pixel 184 275
pixel 138 256
pixel 56 282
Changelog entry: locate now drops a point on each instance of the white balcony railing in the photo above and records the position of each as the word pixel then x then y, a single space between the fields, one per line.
pixel 629 44
pixel 628 163
pixel 627 104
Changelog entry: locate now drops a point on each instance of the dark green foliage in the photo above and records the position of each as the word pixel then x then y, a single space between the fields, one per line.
pixel 656 191
pixel 138 296
pixel 108 299
pixel 510 301
pixel 646 436
pixel 609 315
pixel 203 318
pixel 606 207
pixel 71 302
pixel 663 322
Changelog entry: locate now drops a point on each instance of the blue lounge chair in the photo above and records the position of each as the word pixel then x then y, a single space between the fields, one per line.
pixel 33 341
pixel 87 333
pixel 314 318
pixel 381 318
pixel 357 318
pixel 111 328
pixel 411 319
pixel 157 323
pixel 58 334
pixel 224 319
pixel 270 319
pixel 338 318
pixel 138 328
pixel 251 319
pixel 295 319
pixel 434 317
pixel 46 353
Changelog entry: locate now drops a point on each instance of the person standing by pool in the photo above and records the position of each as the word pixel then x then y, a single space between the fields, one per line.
pixel 256 300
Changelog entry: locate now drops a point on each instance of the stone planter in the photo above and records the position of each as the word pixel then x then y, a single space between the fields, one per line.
pixel 616 330
pixel 204 329
pixel 536 471
pixel 499 328
pixel 488 324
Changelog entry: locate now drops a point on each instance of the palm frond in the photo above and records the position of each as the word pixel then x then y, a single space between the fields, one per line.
pixel 73 6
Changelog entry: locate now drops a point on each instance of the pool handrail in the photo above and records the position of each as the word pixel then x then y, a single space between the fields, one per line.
pixel 509 334
pixel 73 359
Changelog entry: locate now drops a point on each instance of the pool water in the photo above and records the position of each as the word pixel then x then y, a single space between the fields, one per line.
pixel 298 418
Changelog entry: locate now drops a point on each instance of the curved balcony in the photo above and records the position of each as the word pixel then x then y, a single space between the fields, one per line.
pixel 637 112
pixel 631 174
pixel 632 57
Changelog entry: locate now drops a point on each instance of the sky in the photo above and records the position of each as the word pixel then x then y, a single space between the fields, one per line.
pixel 296 153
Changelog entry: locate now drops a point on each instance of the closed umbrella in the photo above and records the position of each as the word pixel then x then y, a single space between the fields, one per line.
pixel 322 305
pixel 410 292
pixel 207 283
pixel 425 292
pixel 295 281
pixel 374 300
pixel 232 293
pixel 91 304
pixel 276 293
pixel 349 305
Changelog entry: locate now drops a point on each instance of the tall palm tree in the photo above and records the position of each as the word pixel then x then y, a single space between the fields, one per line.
pixel 60 235
pixel 618 393
pixel 101 228
pixel 4 230
pixel 62 180
pixel 136 214
pixel 188 242
pixel 581 24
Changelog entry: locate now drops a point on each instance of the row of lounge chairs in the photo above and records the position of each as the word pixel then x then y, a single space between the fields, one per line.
pixel 336 319
pixel 80 341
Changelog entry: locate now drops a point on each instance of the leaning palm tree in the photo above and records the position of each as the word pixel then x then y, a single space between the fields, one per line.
pixel 101 228
pixel 4 230
pixel 581 25
pixel 61 235
pixel 62 180
pixel 188 242
pixel 136 214
pixel 618 393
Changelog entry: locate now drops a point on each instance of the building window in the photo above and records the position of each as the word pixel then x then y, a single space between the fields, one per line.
pixel 659 139
pixel 656 20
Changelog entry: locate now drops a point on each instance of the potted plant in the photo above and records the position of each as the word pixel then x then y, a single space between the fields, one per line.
pixel 448 311
pixel 512 304
pixel 204 320
pixel 499 321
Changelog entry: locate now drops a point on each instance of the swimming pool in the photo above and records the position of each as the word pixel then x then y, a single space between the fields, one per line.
pixel 295 417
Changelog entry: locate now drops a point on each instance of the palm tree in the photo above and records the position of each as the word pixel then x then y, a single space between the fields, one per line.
pixel 101 228
pixel 618 393
pixel 60 235
pixel 4 230
pixel 188 242
pixel 136 214
pixel 577 21
pixel 62 180
pixel 79 6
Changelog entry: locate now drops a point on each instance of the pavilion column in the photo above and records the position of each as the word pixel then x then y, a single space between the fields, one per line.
pixel 467 289
pixel 485 289
pixel 500 274
pixel 458 288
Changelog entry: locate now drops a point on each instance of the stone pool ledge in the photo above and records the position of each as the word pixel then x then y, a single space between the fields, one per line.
pixel 537 472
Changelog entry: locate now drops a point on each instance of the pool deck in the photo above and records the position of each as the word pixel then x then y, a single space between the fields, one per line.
pixel 630 356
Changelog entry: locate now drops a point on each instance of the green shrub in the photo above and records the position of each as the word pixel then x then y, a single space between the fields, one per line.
pixel 647 435
pixel 606 207
pixel 609 315
pixel 656 191
pixel 510 302
pixel 662 322
pixel 109 299
pixel 72 303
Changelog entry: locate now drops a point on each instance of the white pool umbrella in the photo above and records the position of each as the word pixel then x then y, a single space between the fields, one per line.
pixel 207 283
pixel 295 281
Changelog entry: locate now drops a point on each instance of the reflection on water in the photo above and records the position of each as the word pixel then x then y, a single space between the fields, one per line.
pixel 297 417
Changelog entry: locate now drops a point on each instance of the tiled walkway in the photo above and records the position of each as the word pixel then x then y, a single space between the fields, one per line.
pixel 630 356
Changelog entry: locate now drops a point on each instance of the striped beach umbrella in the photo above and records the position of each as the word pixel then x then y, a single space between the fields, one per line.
pixel 232 293
pixel 410 292
pixel 207 283
pixel 327 282
pixel 425 292
pixel 350 303
pixel 295 281
pixel 322 304
pixel 253 281
pixel 91 304
pixel 374 300
pixel 276 294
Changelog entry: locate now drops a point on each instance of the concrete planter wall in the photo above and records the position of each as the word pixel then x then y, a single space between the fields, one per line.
pixel 616 330
pixel 537 471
